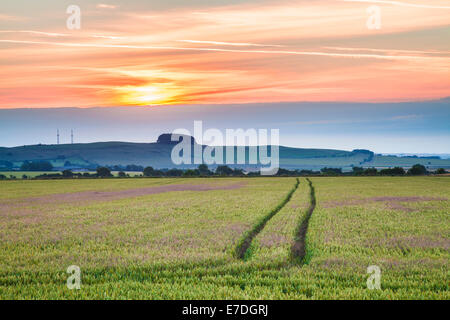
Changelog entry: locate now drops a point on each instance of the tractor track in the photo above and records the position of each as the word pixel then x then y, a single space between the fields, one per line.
pixel 299 246
pixel 245 243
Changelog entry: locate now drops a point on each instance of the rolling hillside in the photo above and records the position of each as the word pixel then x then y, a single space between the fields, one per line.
pixel 91 155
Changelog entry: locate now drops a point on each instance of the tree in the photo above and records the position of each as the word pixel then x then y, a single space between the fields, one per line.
pixel 174 173
pixel 158 173
pixel 331 171
pixel 6 164
pixel 149 172
pixel 309 172
pixel 36 166
pixel 67 174
pixel 191 173
pixel 45 166
pixel 224 171
pixel 441 171
pixel 2 177
pixel 26 165
pixel 371 172
pixel 103 172
pixel 283 172
pixel 203 169
pixel 417 170
pixel 122 174
pixel 286 172
pixel 358 170
pixel 397 171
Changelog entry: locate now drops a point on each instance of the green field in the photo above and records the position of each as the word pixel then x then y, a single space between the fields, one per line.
pixel 180 238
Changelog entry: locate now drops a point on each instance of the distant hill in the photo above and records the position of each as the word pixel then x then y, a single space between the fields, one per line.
pixel 158 155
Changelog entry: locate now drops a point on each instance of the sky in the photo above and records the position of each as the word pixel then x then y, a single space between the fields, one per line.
pixel 231 54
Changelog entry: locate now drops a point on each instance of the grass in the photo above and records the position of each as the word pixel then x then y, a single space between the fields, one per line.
pixel 181 245
pixel 16 189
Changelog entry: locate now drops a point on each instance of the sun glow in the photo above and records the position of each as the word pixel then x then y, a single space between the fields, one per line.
pixel 144 95
pixel 246 52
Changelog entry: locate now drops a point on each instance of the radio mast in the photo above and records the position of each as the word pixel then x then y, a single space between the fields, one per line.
pixel 57 136
pixel 71 136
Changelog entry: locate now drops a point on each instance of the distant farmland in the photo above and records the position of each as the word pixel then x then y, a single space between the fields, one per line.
pixel 158 155
pixel 181 238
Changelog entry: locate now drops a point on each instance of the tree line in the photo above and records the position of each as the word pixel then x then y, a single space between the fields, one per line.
pixel 224 171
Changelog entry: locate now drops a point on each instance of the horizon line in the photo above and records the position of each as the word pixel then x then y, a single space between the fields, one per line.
pixel 237 103
pixel 224 146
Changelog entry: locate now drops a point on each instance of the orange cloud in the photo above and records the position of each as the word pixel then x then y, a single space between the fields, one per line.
pixel 295 51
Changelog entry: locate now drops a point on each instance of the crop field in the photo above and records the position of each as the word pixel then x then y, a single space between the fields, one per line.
pixel 226 238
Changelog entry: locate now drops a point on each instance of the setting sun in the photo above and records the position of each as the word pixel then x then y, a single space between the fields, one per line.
pixel 143 95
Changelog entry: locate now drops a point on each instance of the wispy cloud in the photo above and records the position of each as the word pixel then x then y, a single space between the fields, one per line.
pixel 388 50
pixel 329 122
pixel 355 121
pixel 54 34
pixel 242 44
pixel 40 33
pixel 406 117
pixel 399 3
pixel 106 6
pixel 6 17
pixel 274 52
pixel 107 37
